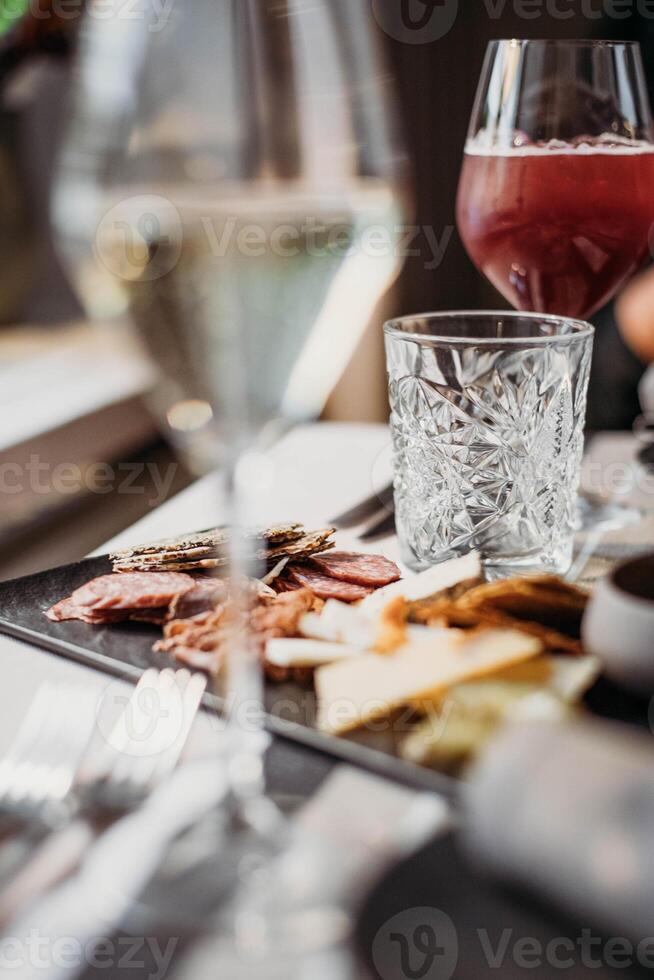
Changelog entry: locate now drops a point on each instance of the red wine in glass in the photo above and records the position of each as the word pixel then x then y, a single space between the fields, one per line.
pixel 556 198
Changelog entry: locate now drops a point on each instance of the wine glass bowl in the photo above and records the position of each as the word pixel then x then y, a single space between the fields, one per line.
pixel 219 191
pixel 555 204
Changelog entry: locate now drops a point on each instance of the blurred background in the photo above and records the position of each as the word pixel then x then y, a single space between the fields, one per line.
pixel 72 394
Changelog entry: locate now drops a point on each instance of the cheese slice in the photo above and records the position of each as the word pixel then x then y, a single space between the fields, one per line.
pixel 353 692
pixel 571 677
pixel 298 652
pixel 339 623
pixel 426 583
pixel 564 677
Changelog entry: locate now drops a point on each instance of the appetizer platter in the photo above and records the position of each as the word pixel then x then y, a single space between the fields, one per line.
pixel 407 675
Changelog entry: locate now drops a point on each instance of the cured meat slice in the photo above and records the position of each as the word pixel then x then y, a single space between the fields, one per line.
pixel 68 609
pixel 283 584
pixel 156 617
pixel 200 599
pixel 347 566
pixel 102 616
pixel 132 590
pixel 61 611
pixel 325 587
pixel 202 642
pixel 282 616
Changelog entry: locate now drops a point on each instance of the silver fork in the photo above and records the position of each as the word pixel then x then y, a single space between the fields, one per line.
pixel 142 748
pixel 145 743
pixel 37 771
pixel 38 768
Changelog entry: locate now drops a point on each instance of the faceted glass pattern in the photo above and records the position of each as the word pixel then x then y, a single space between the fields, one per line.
pixel 488 436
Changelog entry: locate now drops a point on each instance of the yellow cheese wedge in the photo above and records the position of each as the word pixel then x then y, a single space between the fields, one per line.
pixel 298 652
pixel 353 692
pixel 566 678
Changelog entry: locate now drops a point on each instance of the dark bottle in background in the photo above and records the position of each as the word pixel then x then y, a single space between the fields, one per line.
pixel 37 41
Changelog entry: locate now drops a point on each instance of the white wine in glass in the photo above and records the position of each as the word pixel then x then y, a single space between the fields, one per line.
pixel 233 182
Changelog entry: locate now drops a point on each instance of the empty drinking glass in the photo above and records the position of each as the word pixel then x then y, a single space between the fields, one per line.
pixel 487 416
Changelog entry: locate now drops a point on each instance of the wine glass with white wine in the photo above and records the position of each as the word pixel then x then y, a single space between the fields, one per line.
pixel 225 174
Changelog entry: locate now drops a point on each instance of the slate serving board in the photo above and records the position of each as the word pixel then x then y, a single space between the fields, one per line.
pixel 125 650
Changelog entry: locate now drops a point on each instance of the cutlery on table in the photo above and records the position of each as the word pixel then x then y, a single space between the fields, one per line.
pixel 92 903
pixel 366 509
pixel 144 744
pixel 141 750
pixel 38 769
pixel 382 527
pixel 375 513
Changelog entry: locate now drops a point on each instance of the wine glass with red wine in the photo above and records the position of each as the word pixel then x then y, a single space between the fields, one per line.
pixel 555 201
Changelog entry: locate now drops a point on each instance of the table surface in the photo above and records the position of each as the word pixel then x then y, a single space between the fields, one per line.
pixel 316 472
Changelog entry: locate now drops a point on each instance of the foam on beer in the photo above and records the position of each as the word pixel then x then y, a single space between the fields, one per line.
pixel 486 143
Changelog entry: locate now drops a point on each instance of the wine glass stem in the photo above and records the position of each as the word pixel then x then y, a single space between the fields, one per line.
pixel 247 738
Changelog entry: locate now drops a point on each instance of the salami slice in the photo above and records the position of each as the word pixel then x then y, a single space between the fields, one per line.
pixel 154 617
pixel 132 590
pixel 200 599
pixel 102 616
pixel 325 587
pixel 68 609
pixel 284 584
pixel 62 611
pixel 368 570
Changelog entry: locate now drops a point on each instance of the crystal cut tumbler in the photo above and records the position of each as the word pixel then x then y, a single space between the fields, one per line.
pixel 487 418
